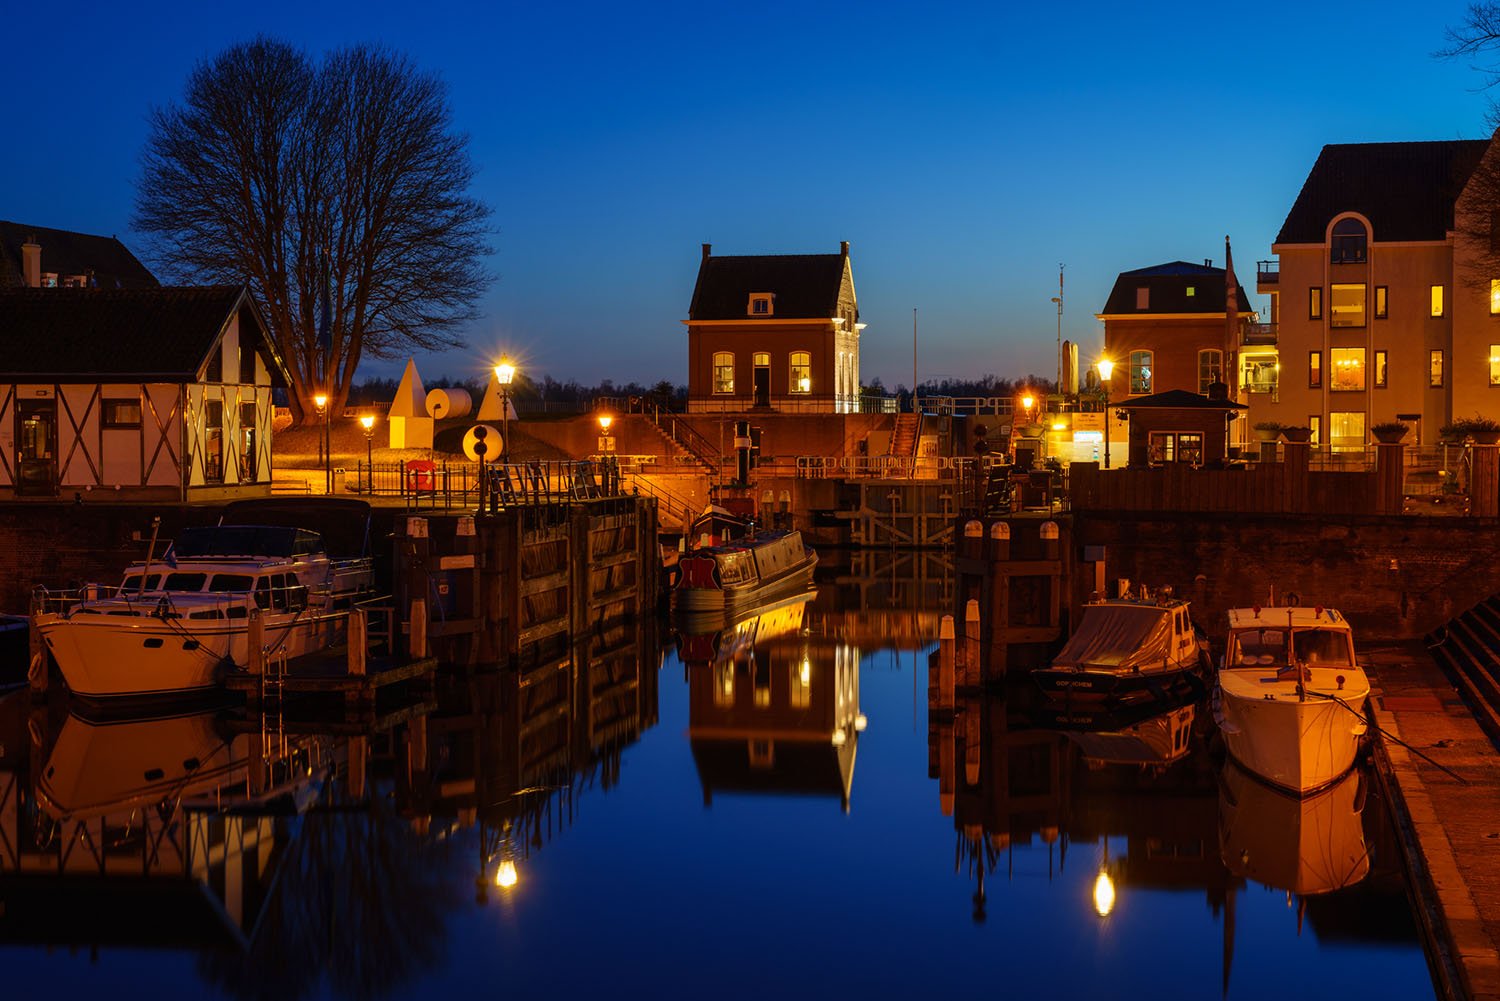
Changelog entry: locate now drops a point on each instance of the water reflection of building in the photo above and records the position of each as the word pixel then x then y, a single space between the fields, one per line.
pixel 773 704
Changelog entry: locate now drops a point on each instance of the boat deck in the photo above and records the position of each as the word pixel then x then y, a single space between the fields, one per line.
pixel 1450 821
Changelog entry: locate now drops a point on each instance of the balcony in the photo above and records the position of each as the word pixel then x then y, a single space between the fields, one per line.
pixel 1267 276
pixel 1259 335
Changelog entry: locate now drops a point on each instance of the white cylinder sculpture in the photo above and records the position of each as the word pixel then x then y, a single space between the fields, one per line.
pixel 445 403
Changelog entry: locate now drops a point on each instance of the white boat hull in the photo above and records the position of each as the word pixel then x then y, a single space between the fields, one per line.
pixel 135 656
pixel 1299 746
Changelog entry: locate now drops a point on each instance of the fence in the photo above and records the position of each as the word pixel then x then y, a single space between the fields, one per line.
pixel 422 482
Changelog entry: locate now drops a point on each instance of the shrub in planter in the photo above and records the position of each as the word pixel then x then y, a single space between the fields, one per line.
pixel 1482 430
pixel 1389 432
pixel 1267 430
pixel 1295 433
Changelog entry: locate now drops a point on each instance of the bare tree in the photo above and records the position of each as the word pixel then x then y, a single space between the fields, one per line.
pixel 338 191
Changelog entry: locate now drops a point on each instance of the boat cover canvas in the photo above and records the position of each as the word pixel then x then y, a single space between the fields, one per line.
pixel 1119 638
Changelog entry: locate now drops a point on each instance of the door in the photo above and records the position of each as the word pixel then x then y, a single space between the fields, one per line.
pixel 762 379
pixel 36 448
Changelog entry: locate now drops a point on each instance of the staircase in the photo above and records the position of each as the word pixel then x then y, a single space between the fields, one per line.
pixel 1468 651
pixel 904 438
pixel 671 446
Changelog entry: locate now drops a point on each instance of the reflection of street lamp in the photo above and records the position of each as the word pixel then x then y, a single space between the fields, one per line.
pixel 368 423
pixel 321 402
pixel 1106 368
pixel 504 373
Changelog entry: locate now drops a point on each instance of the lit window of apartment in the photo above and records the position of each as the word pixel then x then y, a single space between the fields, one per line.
pixel 1258 373
pixel 1140 372
pixel 1191 291
pixel 1315 303
pixel 1435 369
pixel 1380 370
pixel 1382 302
pixel 1348 243
pixel 723 371
pixel 1315 370
pixel 1347 370
pixel 1142 297
pixel 1210 369
pixel 1495 296
pixel 1315 425
pixel 1347 306
pixel 1437 300
pixel 1346 429
pixel 1495 364
pixel 801 372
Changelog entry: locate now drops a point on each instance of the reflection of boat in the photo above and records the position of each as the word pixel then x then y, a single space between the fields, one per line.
pixel 178 624
pixel 1159 737
pixel 1126 649
pixel 1305 845
pixel 742 574
pixel 707 636
pixel 1291 695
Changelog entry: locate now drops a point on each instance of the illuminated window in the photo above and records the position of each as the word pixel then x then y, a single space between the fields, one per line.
pixel 1437 300
pixel 1210 369
pixel 1495 364
pixel 1315 370
pixel 801 372
pixel 1259 373
pixel 1382 302
pixel 1435 369
pixel 1380 373
pixel 762 359
pixel 1315 424
pixel 760 304
pixel 1348 369
pixel 723 371
pixel 1346 429
pixel 1495 296
pixel 1191 291
pixel 1315 304
pixel 1347 304
pixel 1348 243
pixel 122 413
pixel 1140 372
pixel 1143 298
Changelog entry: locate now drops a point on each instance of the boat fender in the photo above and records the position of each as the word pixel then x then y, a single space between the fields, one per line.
pixel 223 669
pixel 161 608
pixel 34 729
pixel 34 670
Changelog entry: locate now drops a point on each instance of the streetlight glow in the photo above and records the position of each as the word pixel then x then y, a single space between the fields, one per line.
pixel 368 423
pixel 506 876
pixel 1106 368
pixel 320 401
pixel 605 420
pixel 1104 894
pixel 505 372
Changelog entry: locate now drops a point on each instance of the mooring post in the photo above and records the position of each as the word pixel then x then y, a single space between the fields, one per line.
pixel 359 751
pixel 947 655
pixel 971 643
pixel 255 638
pixel 359 641
pixel 416 629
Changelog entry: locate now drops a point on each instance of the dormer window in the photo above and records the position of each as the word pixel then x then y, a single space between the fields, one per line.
pixel 1143 297
pixel 760 304
pixel 1349 242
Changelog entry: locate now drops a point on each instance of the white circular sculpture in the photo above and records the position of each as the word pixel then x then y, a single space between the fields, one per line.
pixel 482 434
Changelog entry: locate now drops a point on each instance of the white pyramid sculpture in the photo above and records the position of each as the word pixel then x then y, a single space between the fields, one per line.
pixel 410 427
pixel 490 407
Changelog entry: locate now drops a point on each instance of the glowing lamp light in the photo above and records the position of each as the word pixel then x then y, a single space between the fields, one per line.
pixel 1028 401
pixel 804 384
pixel 1106 368
pixel 506 876
pixel 605 420
pixel 320 401
pixel 367 422
pixel 1104 894
pixel 1059 426
pixel 505 372
pixel 804 675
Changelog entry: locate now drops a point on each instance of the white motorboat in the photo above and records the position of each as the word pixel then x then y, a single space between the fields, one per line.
pixel 179 624
pixel 1290 698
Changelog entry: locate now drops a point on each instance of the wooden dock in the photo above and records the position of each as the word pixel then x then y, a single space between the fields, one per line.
pixel 1447 805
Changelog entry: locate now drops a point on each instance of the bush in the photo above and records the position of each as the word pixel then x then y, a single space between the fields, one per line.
pixel 1267 426
pixel 1390 427
pixel 1469 425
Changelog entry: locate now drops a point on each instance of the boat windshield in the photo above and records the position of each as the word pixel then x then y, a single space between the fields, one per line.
pixel 1268 647
pixel 234 583
pixel 133 583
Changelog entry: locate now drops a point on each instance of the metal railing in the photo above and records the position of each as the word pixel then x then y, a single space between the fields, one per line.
pixel 997 405
pixel 425 483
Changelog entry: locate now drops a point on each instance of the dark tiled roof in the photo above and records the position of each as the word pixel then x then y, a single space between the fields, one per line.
pixel 66 253
pixel 805 286
pixel 1177 399
pixel 163 332
pixel 1406 190
pixel 1169 284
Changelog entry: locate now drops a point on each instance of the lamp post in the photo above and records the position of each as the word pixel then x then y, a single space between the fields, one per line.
pixel 606 443
pixel 325 442
pixel 504 373
pixel 368 423
pixel 1106 368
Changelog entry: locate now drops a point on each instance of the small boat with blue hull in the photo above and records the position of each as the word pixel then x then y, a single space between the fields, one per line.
pixel 740 575
pixel 1128 649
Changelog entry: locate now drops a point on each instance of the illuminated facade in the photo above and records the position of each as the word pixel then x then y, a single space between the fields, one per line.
pixel 774 333
pixel 1382 307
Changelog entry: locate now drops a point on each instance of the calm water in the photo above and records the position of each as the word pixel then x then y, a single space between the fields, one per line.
pixel 771 812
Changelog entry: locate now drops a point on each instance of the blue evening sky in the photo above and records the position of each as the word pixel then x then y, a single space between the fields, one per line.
pixel 964 150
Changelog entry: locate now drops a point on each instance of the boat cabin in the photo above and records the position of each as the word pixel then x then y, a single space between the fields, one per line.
pixel 1283 637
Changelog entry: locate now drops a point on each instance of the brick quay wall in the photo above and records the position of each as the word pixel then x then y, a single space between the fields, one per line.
pixel 1394 577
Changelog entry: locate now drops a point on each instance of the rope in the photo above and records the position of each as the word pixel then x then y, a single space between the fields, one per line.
pixel 1386 733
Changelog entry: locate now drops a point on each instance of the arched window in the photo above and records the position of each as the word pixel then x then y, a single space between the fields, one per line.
pixel 723 371
pixel 1349 242
pixel 801 372
pixel 1210 369
pixel 1140 373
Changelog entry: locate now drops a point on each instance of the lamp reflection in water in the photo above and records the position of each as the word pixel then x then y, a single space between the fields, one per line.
pixel 496 847
pixel 1104 885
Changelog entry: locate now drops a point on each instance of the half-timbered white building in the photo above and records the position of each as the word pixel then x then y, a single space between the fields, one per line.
pixel 135 394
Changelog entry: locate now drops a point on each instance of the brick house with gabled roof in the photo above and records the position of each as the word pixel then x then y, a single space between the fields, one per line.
pixel 135 394
pixel 774 333
pixel 1374 315
pixel 41 257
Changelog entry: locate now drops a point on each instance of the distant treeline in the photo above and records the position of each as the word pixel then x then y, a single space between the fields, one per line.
pixel 528 393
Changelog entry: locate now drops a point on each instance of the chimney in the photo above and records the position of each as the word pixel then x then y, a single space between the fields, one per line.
pixel 1208 262
pixel 708 249
pixel 31 262
pixel 844 248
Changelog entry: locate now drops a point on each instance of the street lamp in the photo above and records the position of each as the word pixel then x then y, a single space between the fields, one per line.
pixel 368 423
pixel 1106 368
pixel 504 373
pixel 325 443
pixel 606 443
